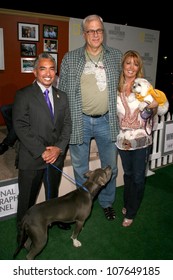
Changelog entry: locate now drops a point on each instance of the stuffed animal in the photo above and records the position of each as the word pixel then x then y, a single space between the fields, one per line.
pixel 145 93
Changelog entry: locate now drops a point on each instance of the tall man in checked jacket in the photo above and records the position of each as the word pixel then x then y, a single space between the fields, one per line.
pixel 89 75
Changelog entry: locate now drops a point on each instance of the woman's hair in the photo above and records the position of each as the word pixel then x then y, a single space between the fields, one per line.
pixel 91 18
pixel 138 60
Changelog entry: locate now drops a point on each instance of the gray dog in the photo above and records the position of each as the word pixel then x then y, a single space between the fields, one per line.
pixel 74 206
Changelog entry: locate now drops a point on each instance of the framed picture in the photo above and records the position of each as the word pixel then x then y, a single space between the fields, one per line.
pixel 27 65
pixel 50 45
pixel 28 31
pixel 50 31
pixel 2 58
pixel 28 49
pixel 168 138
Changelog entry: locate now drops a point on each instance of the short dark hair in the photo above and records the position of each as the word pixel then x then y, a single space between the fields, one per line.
pixel 44 55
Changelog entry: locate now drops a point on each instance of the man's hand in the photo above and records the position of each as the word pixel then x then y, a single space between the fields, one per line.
pixel 51 154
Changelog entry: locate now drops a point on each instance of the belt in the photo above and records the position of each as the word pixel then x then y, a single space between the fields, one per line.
pixel 95 116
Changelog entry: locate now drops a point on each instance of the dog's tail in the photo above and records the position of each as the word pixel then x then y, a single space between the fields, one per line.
pixel 21 239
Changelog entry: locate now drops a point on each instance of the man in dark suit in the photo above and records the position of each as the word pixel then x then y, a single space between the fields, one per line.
pixel 43 138
pixel 11 137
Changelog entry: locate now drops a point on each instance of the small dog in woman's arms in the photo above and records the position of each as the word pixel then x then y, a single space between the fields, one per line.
pixel 145 93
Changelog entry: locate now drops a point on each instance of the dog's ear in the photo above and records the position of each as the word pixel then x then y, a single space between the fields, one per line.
pixel 87 174
pixel 102 182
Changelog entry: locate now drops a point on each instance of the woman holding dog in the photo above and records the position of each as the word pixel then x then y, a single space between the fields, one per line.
pixel 135 136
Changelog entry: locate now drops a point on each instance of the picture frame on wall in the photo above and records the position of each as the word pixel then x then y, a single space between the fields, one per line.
pixel 2 58
pixel 28 49
pixel 50 31
pixel 28 31
pixel 50 45
pixel 27 64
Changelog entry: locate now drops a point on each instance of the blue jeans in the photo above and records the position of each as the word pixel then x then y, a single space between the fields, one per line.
pixel 97 128
pixel 134 164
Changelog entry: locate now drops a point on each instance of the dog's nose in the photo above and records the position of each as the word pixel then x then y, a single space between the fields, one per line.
pixel 109 167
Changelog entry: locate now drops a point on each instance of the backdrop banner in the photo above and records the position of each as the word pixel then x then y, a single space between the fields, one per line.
pixel 8 198
pixel 124 37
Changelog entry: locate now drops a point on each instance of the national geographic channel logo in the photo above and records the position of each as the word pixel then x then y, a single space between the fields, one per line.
pixel 116 33
pixel 147 37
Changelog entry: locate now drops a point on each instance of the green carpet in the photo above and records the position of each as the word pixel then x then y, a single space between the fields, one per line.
pixel 149 238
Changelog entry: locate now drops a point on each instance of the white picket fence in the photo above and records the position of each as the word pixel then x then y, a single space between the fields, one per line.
pixel 157 159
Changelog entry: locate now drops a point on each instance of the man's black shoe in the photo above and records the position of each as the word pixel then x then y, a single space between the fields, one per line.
pixel 63 226
pixel 3 148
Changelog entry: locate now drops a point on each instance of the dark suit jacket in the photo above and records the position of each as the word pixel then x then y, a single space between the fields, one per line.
pixel 34 127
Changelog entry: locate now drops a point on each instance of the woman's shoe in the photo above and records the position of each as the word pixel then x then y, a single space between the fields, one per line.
pixel 124 211
pixel 127 222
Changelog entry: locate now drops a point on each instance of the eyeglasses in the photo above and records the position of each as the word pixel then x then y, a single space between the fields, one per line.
pixel 92 31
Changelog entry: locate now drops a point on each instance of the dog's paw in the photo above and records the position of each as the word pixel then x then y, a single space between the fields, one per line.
pixel 76 243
